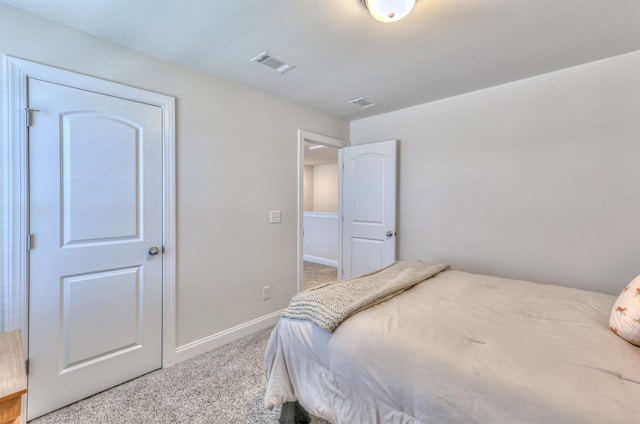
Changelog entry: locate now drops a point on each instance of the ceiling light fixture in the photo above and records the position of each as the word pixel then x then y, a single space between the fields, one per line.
pixel 389 10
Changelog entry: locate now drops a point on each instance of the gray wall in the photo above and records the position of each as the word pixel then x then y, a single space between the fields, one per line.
pixel 236 160
pixel 537 179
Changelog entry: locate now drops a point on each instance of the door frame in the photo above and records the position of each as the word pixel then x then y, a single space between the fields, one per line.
pixel 311 137
pixel 14 290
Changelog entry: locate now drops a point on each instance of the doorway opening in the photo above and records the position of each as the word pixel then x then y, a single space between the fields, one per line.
pixel 320 226
pixel 319 206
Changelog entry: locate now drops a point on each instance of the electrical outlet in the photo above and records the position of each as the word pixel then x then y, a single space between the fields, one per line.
pixel 266 293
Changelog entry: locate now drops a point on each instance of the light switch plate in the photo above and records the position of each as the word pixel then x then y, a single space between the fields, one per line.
pixel 274 217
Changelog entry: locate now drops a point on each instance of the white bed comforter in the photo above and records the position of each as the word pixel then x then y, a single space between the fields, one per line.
pixel 462 348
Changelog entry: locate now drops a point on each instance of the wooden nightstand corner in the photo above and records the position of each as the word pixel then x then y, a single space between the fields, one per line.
pixel 13 377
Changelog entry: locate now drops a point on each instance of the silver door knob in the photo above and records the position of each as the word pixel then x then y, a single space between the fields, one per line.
pixel 154 250
pixel 389 234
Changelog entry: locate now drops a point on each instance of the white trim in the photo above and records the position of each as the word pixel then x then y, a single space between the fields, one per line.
pixel 15 276
pixel 321 261
pixel 169 235
pixel 213 341
pixel 340 211
pixel 322 215
pixel 15 205
pixel 310 137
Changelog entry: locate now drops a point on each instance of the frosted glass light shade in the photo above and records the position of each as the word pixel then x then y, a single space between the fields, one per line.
pixel 389 10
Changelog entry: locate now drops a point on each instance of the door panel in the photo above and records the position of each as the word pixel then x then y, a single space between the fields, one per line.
pixel 367 178
pixel 366 255
pixel 369 207
pixel 110 164
pixel 101 315
pixel 95 209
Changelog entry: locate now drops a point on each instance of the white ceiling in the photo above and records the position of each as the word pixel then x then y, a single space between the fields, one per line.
pixel 443 48
pixel 321 155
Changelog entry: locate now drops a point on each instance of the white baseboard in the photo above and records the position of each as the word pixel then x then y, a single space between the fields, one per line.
pixel 213 341
pixel 319 260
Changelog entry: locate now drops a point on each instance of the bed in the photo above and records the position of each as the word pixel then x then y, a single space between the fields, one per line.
pixel 461 348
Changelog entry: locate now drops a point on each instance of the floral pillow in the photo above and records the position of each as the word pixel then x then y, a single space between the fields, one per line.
pixel 625 315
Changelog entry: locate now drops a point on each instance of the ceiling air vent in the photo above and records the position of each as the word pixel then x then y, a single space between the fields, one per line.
pixel 273 63
pixel 362 102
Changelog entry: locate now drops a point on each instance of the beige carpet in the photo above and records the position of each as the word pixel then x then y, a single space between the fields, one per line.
pixel 223 386
pixel 316 274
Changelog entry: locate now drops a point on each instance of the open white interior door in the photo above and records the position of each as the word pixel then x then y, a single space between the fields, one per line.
pixel 368 207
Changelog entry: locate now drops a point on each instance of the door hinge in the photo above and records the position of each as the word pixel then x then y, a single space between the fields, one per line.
pixel 29 242
pixel 28 116
pixel 26 367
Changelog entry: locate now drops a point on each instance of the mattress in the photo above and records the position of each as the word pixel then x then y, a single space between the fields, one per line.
pixel 462 348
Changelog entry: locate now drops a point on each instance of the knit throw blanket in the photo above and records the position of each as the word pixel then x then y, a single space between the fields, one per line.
pixel 330 304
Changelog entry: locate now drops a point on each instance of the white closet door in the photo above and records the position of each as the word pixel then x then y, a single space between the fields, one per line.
pixel 95 284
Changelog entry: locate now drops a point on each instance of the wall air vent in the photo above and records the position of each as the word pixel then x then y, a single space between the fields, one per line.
pixel 362 102
pixel 273 63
